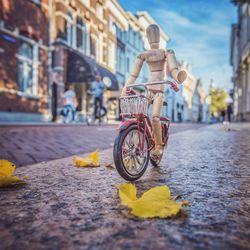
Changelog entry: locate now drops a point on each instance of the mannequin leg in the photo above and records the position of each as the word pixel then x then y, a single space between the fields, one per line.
pixel 156 124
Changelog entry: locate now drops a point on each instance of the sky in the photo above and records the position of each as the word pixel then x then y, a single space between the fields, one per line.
pixel 199 31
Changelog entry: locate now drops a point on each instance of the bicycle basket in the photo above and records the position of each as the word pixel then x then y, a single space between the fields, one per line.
pixel 133 105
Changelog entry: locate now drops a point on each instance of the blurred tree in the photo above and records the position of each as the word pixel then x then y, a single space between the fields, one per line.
pixel 218 100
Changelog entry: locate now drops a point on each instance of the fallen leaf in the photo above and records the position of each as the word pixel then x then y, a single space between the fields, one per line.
pixel 156 202
pixel 7 168
pixel 92 160
pixel 127 193
pixel 109 165
pixel 9 180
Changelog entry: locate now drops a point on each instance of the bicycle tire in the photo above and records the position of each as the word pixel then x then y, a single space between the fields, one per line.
pixel 117 154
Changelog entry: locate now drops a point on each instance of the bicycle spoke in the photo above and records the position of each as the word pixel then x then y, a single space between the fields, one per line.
pixel 126 162
pixel 133 158
pixel 126 143
pixel 126 151
pixel 126 156
pixel 132 138
pixel 130 164
pixel 137 159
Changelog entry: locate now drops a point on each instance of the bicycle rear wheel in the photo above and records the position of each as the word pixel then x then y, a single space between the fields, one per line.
pixel 130 161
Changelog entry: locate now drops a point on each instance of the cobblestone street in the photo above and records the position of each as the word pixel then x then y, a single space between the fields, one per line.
pixel 64 207
pixel 27 145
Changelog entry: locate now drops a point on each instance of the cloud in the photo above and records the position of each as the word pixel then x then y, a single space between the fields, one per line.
pixel 171 15
pixel 199 32
pixel 204 43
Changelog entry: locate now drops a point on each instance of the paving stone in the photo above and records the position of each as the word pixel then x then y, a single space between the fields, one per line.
pixel 54 142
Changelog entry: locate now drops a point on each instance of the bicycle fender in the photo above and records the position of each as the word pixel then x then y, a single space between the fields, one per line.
pixel 125 125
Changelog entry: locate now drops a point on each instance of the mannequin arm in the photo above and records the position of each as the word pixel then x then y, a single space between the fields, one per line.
pixel 178 75
pixel 136 69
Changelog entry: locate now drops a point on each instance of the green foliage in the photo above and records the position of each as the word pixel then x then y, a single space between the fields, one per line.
pixel 218 100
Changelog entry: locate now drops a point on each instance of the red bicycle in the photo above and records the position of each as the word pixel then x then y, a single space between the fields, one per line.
pixel 135 140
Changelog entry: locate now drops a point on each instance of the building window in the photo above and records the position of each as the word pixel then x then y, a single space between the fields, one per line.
pixel 70 30
pixel 99 11
pixel 119 34
pixel 128 64
pixel 61 26
pixel 112 26
pixel 92 46
pixel 120 60
pixel 104 54
pixel 66 30
pixel 131 37
pixel 81 35
pixel 27 68
pixel 111 55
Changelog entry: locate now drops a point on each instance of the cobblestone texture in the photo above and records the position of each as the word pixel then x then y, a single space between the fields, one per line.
pixel 25 145
pixel 63 207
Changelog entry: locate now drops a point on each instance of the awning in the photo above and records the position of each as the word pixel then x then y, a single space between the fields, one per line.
pixel 82 68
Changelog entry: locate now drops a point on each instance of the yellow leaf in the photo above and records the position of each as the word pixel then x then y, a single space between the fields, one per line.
pixel 92 160
pixel 157 193
pixel 156 202
pixel 7 168
pixel 127 193
pixel 9 180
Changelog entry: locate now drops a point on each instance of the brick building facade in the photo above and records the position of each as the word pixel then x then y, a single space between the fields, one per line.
pixel 82 47
pixel 24 60
pixel 47 45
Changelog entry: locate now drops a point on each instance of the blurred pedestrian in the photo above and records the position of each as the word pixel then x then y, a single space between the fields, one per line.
pixel 70 103
pixel 229 111
pixel 97 89
pixel 223 114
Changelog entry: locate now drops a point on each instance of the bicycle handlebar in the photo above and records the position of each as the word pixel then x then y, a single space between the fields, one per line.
pixel 172 84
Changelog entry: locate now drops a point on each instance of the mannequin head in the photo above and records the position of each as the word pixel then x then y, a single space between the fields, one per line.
pixel 153 35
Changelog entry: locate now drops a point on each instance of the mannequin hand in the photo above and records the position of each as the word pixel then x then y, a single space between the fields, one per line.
pixel 179 75
pixel 124 91
pixel 182 76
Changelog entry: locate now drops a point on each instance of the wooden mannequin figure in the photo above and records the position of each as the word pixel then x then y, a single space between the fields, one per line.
pixel 156 59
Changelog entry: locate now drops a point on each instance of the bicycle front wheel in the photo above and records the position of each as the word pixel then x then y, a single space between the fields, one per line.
pixel 131 162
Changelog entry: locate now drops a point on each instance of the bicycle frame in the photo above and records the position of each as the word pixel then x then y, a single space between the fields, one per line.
pixel 143 122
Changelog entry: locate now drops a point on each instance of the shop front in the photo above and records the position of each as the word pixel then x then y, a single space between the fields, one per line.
pixel 81 71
